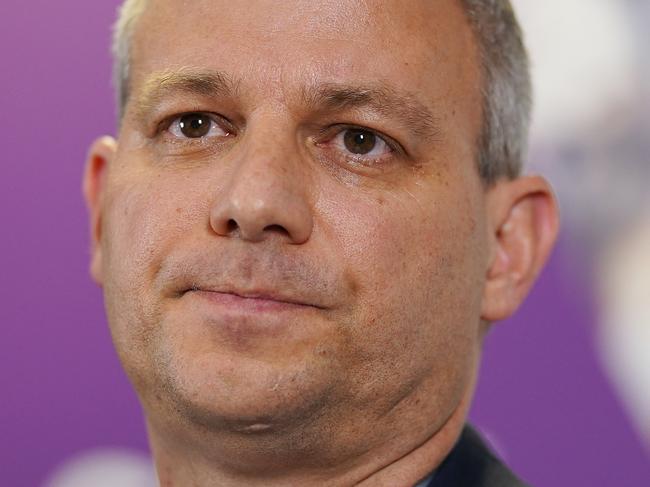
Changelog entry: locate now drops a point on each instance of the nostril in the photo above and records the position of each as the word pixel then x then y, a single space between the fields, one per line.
pixel 231 226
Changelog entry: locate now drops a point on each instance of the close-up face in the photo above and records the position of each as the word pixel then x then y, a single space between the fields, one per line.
pixel 292 225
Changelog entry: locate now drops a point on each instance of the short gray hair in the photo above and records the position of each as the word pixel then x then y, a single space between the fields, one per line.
pixel 506 84
pixel 127 16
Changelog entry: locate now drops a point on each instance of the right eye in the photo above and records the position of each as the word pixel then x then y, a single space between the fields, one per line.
pixel 196 126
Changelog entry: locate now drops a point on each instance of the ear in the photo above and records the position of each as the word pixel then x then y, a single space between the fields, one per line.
pixel 101 153
pixel 523 224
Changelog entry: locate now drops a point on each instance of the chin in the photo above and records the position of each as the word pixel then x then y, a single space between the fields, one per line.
pixel 226 392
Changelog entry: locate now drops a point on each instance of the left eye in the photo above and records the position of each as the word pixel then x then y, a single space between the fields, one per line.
pixel 196 126
pixel 361 142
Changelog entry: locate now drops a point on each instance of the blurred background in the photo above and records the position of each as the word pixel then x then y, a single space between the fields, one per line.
pixel 564 393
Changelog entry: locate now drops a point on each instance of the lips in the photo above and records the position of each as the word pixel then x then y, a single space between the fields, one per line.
pixel 256 300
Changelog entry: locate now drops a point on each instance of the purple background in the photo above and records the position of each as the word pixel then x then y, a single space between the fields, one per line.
pixel 542 397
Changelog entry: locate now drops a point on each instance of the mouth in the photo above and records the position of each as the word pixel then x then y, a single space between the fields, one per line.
pixel 251 300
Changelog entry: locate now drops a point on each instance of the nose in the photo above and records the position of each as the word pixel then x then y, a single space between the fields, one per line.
pixel 265 196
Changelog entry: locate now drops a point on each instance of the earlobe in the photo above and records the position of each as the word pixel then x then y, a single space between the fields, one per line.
pixel 523 224
pixel 100 155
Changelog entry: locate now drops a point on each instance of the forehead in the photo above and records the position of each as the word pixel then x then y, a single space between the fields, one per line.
pixel 422 45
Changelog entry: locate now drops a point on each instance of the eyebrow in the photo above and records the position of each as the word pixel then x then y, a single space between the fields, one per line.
pixel 162 85
pixel 380 97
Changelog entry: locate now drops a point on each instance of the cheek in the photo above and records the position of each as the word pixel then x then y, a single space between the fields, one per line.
pixel 415 265
pixel 397 245
pixel 142 221
pixel 144 217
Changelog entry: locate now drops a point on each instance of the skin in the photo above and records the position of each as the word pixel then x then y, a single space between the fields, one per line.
pixel 290 313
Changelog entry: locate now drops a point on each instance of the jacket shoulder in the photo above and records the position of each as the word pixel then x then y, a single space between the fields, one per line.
pixel 471 464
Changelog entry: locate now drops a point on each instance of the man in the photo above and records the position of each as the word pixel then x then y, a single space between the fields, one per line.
pixel 311 216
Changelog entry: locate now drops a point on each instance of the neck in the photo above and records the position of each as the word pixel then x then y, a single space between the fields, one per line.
pixel 260 459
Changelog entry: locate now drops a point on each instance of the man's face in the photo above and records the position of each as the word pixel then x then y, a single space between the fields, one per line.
pixel 293 227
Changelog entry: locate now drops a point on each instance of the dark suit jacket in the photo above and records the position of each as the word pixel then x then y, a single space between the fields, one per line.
pixel 472 464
